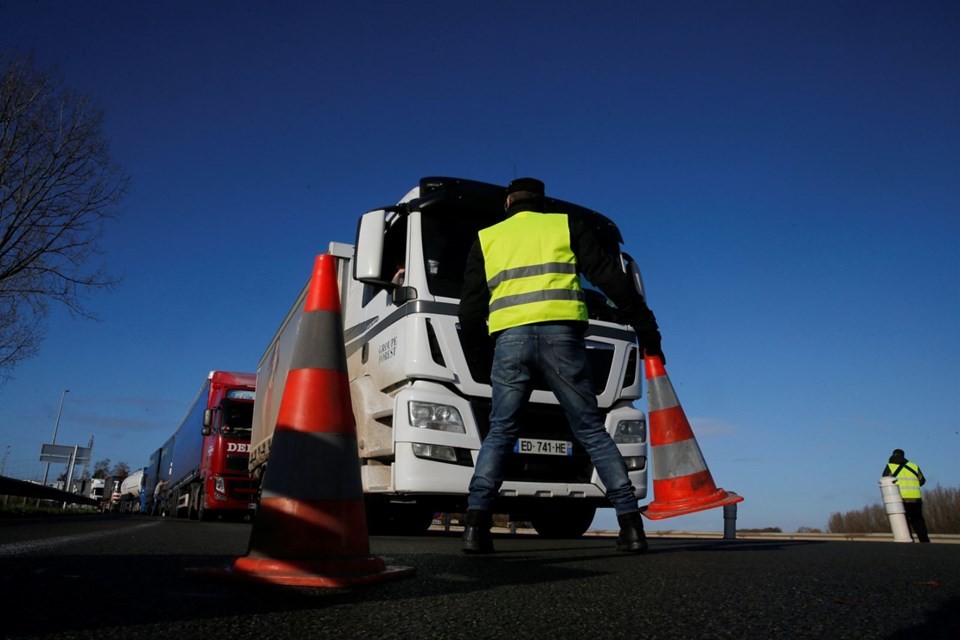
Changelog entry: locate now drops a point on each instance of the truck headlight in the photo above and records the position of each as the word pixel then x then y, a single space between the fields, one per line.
pixel 439 417
pixel 631 432
pixel 218 485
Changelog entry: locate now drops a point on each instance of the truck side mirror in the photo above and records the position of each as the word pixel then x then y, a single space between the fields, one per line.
pixel 401 295
pixel 207 422
pixel 634 272
pixel 369 253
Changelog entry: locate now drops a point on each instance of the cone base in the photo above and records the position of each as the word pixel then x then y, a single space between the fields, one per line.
pixel 660 510
pixel 332 573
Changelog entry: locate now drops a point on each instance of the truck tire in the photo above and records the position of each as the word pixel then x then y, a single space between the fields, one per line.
pixel 195 496
pixel 202 513
pixel 562 520
pixel 392 519
pixel 410 520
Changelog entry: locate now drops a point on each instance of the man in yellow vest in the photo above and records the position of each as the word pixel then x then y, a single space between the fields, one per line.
pixel 909 480
pixel 522 290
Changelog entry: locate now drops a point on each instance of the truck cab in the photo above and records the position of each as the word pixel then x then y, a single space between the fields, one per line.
pixel 421 412
pixel 433 411
pixel 204 464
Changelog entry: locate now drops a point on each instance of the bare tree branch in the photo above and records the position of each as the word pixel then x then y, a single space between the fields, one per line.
pixel 58 187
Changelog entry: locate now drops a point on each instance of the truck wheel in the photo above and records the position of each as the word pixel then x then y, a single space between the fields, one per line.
pixel 563 520
pixel 410 520
pixel 377 520
pixel 195 493
pixel 390 519
pixel 202 513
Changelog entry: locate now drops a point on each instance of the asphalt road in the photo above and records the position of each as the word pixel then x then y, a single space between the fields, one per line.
pixel 128 577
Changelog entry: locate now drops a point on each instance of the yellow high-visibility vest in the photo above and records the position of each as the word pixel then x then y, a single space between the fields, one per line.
pixel 531 271
pixel 908 480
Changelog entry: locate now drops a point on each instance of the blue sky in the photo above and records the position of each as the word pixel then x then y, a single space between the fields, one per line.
pixel 787 175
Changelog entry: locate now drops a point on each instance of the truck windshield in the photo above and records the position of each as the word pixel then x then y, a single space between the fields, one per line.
pixel 236 419
pixel 447 238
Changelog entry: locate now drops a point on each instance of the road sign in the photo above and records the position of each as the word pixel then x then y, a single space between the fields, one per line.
pixel 62 453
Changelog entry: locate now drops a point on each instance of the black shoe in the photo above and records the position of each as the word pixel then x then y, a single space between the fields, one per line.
pixel 631 538
pixel 476 534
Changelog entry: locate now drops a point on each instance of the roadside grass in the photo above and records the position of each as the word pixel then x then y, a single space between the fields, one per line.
pixel 28 508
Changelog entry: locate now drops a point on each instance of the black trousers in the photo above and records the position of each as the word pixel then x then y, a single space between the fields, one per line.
pixel 914 513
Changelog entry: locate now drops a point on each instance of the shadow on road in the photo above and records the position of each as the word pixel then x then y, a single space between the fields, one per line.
pixel 145 596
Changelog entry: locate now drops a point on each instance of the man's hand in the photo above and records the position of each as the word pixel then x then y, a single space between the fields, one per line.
pixel 649 341
pixel 648 334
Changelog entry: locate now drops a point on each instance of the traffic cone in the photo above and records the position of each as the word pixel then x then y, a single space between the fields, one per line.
pixel 681 481
pixel 311 528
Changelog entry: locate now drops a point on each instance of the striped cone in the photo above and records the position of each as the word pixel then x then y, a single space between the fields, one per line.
pixel 311 528
pixel 681 481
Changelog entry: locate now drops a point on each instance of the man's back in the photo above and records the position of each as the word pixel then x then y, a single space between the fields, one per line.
pixel 531 271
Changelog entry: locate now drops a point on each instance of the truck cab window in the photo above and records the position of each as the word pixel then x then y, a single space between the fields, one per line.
pixel 448 234
pixel 599 306
pixel 236 419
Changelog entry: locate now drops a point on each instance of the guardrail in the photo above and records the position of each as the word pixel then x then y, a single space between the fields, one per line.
pixel 942 538
pixel 21 488
pixel 945 538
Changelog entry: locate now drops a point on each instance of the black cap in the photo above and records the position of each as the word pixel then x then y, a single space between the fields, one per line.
pixel 526 184
pixel 898 452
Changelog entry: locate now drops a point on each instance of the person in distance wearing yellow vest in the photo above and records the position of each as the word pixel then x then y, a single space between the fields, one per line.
pixel 522 291
pixel 909 480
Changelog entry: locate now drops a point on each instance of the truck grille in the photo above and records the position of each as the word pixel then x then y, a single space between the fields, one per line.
pixel 237 463
pixel 242 489
pixel 544 422
pixel 599 361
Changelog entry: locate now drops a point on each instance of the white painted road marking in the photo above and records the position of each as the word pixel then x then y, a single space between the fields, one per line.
pixel 20 548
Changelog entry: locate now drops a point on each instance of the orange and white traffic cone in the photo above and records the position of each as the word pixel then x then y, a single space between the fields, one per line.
pixel 311 527
pixel 682 482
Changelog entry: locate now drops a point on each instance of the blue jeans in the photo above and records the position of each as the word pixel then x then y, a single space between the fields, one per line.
pixel 558 353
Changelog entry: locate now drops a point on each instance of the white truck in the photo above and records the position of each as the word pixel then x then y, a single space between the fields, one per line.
pixel 96 488
pixel 421 413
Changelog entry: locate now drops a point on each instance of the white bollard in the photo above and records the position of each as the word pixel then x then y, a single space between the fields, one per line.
pixel 893 503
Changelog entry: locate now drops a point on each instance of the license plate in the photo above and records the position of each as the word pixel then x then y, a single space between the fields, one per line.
pixel 251 505
pixel 543 447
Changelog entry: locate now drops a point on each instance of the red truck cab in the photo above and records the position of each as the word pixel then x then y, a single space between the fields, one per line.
pixel 205 469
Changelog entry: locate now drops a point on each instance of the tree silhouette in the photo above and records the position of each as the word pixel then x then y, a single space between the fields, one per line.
pixel 58 186
pixel 101 468
pixel 120 470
